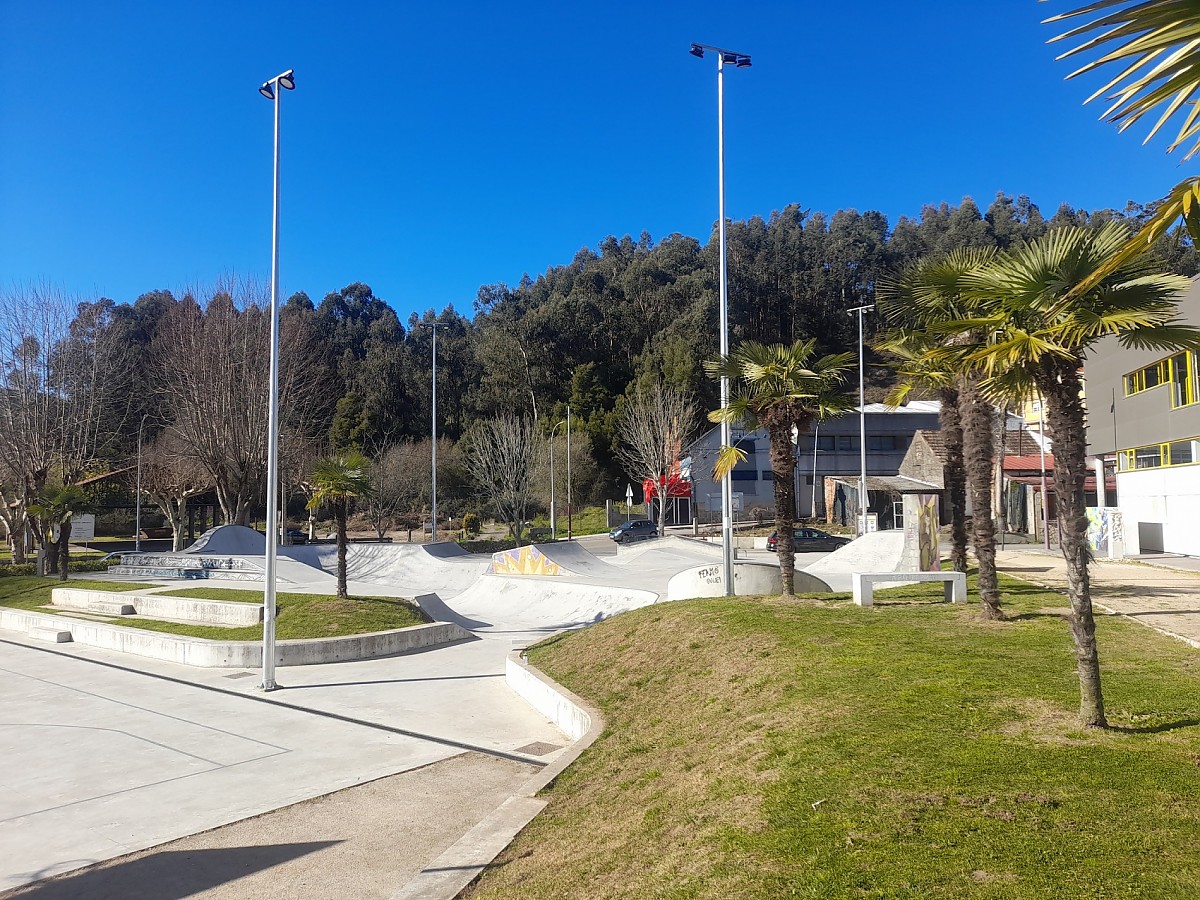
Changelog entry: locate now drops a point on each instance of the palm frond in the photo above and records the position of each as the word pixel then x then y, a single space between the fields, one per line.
pixel 727 458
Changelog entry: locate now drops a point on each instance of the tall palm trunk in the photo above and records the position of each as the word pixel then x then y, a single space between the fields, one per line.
pixel 64 549
pixel 979 455
pixel 954 477
pixel 339 516
pixel 783 468
pixel 1068 423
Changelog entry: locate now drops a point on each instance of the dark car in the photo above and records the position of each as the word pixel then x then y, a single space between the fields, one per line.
pixel 634 530
pixel 296 536
pixel 810 540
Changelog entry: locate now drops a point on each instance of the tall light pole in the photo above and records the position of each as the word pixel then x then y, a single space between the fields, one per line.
pixel 137 516
pixel 433 326
pixel 272 91
pixel 553 511
pixel 861 527
pixel 741 61
pixel 569 534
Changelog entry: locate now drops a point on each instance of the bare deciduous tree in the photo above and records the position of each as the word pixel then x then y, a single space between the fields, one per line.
pixel 654 425
pixel 211 366
pixel 170 476
pixel 61 382
pixel 501 460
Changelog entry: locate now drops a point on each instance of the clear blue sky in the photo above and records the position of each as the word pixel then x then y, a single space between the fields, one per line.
pixel 430 148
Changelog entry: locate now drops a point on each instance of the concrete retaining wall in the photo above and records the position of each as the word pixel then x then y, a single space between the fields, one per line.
pixel 162 606
pixel 205 653
pixel 553 701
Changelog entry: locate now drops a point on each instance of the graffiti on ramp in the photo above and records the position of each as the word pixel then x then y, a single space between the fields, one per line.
pixel 527 560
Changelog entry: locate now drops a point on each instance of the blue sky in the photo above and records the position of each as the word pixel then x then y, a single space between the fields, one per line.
pixel 431 148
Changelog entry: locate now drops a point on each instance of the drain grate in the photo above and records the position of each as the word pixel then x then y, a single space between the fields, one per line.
pixel 538 748
pixel 240 675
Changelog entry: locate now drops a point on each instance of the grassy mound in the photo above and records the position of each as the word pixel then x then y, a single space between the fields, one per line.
pixel 299 616
pixel 762 750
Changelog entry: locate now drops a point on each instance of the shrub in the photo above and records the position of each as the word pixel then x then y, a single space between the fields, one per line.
pixel 470 523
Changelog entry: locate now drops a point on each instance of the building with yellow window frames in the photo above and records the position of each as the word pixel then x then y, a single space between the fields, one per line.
pixel 1144 411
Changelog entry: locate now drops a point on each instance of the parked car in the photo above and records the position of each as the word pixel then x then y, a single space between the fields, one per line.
pixel 634 530
pixel 810 540
pixel 296 536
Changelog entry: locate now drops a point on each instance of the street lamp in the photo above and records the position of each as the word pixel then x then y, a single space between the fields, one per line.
pixel 137 516
pixel 553 511
pixel 861 527
pixel 741 61
pixel 433 326
pixel 271 90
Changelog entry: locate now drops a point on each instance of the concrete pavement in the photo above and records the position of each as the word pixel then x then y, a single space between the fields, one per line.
pixel 1161 592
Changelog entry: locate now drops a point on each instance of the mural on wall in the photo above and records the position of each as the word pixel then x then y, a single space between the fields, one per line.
pixel 528 560
pixel 927 532
pixel 1106 531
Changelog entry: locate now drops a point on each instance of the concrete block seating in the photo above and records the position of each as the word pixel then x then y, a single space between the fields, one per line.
pixel 864 584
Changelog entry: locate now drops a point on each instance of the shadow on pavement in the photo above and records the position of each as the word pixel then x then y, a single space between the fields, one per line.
pixel 166 875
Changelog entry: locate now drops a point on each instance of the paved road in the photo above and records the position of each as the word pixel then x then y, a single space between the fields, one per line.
pixel 1163 593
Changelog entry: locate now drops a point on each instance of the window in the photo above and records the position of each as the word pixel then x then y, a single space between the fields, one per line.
pixel 1155 456
pixel 1181 452
pixel 744 475
pixel 1150 377
pixel 886 443
pixel 825 442
pixel 846 442
pixel 768 475
pixel 1183 379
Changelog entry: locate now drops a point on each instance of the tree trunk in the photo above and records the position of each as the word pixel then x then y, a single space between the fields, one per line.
pixel 979 456
pixel 1068 423
pixel 783 467
pixel 50 551
pixel 954 477
pixel 64 549
pixel 339 516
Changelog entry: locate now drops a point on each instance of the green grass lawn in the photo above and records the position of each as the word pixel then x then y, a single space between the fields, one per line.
pixel 757 749
pixel 299 616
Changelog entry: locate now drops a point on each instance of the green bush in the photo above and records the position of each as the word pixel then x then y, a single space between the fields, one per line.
pixel 470 523
pixel 82 565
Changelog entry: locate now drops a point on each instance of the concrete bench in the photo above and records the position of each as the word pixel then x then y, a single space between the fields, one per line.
pixel 864 584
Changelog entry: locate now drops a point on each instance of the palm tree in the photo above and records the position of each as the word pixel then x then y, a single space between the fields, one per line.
pixel 780 388
pixel 337 481
pixel 929 299
pixel 55 509
pixel 916 371
pixel 1154 44
pixel 1039 327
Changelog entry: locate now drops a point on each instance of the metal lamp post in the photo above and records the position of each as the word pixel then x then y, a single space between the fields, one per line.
pixel 433 326
pixel 137 516
pixel 553 510
pixel 861 527
pixel 741 61
pixel 570 535
pixel 272 91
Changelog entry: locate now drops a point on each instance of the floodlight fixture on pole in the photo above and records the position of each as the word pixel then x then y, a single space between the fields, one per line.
pixel 861 526
pixel 433 326
pixel 741 61
pixel 270 90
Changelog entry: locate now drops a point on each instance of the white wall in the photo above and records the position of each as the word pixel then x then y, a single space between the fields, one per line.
pixel 1170 496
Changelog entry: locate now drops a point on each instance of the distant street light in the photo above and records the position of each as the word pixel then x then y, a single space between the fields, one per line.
pixel 741 61
pixel 861 527
pixel 271 90
pixel 433 326
pixel 137 516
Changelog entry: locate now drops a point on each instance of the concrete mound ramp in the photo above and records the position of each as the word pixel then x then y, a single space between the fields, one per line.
pixel 503 604
pixel 669 550
pixel 560 558
pixel 230 540
pixel 442 568
pixel 878 551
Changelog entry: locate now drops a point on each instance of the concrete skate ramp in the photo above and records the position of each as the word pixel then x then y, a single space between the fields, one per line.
pixel 669 551
pixel 435 607
pixel 421 568
pixel 516 604
pixel 560 558
pixel 878 551
pixel 230 540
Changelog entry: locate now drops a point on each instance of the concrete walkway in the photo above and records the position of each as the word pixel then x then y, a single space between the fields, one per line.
pixel 1162 593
